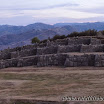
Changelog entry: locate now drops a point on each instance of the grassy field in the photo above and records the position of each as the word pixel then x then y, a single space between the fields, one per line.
pixel 51 84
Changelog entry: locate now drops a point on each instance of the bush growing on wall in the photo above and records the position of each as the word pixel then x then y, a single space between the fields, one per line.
pixel 83 33
pixel 74 34
pixel 35 40
pixel 58 37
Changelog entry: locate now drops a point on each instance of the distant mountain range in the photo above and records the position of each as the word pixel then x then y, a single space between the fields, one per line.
pixel 8 29
pixel 12 36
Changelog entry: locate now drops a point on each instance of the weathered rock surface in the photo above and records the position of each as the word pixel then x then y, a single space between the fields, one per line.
pixel 70 52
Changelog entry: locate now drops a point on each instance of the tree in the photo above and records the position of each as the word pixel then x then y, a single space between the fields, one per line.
pixel 35 40
pixel 73 34
pixel 58 37
pixel 83 33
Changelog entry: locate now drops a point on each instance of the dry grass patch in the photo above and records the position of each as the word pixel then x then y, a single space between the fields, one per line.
pixel 51 84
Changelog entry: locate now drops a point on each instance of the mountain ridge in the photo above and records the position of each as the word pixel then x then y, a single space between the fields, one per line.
pixel 10 35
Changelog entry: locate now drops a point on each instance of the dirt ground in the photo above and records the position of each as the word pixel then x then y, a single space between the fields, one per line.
pixel 51 83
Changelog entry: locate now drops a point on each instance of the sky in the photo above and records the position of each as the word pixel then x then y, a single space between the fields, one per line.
pixel 24 12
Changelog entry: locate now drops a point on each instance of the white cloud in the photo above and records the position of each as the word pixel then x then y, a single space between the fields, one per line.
pixel 59 12
pixel 46 10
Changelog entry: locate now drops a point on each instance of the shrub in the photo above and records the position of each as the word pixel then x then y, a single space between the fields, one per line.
pixel 35 40
pixel 74 34
pixel 58 37
pixel 44 41
pixel 83 33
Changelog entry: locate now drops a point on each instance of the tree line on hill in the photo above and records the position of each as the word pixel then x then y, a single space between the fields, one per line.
pixel 73 34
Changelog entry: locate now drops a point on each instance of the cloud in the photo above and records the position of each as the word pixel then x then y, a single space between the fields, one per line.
pixel 25 20
pixel 50 11
pixel 94 6
pixel 38 8
pixel 54 20
pixel 10 14
pixel 60 12
pixel 18 20
pixel 98 10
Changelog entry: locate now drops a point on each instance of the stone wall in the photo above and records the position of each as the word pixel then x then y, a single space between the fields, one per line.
pixel 24 53
pixel 19 62
pixel 71 52
pixel 47 50
pixel 85 41
pixel 27 61
pixel 5 55
pixel 51 50
pixel 76 41
pixel 92 48
pixel 69 48
pixel 62 41
pixel 95 41
pixel 51 60
pixel 80 60
pixel 66 60
pixel 99 60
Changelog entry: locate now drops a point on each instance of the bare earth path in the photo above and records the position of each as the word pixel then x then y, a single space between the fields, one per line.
pixel 51 83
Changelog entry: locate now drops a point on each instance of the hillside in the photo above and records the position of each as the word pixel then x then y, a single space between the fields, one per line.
pixel 25 37
pixel 8 29
pixel 83 26
pixel 12 36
